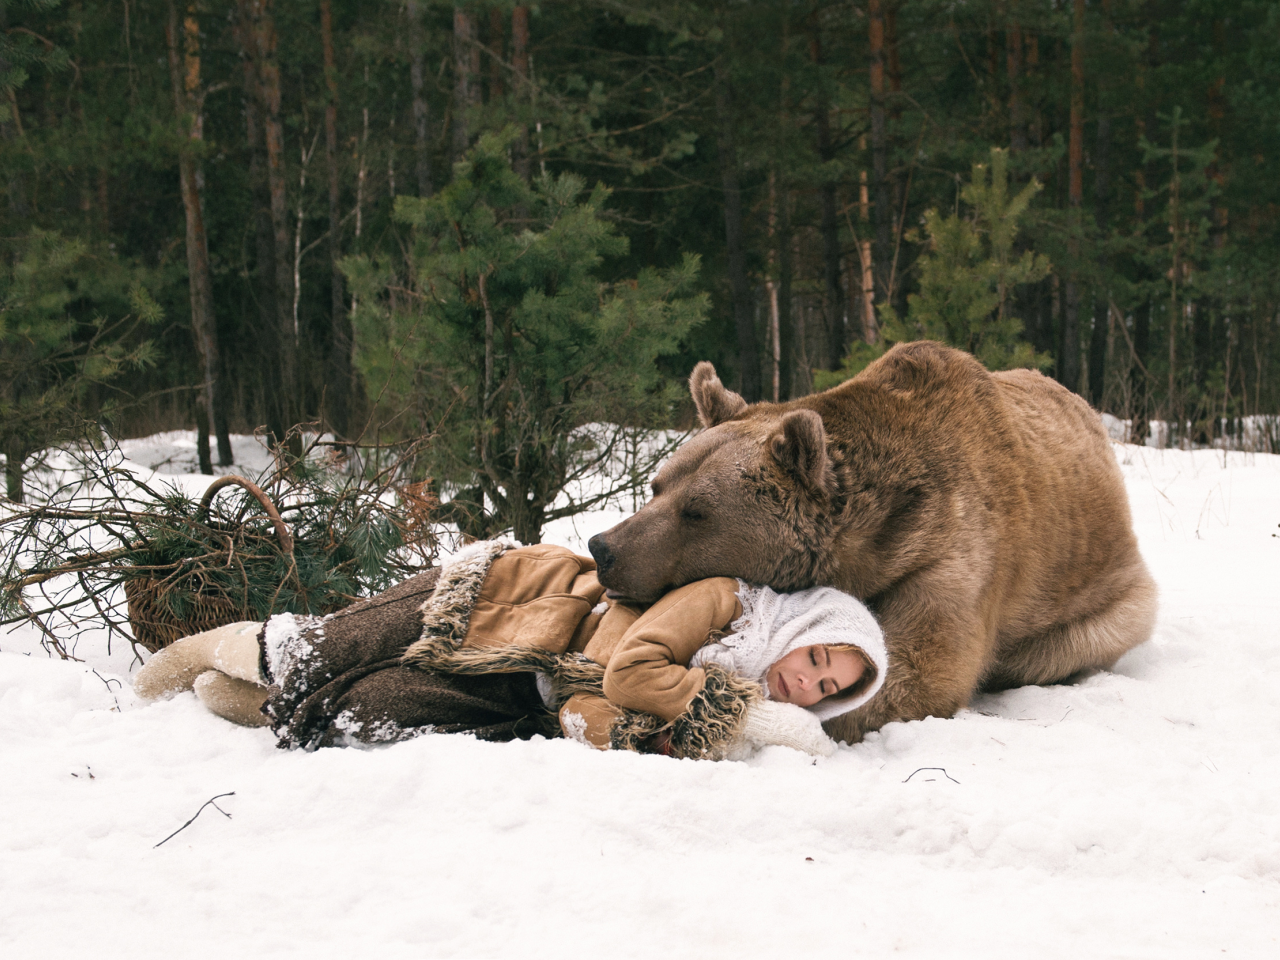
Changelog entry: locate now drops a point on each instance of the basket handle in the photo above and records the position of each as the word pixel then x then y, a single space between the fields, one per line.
pixel 282 529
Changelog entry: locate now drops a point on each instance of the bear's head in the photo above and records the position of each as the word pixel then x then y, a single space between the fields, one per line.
pixel 749 497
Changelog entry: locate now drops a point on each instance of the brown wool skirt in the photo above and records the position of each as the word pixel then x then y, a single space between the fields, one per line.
pixel 343 681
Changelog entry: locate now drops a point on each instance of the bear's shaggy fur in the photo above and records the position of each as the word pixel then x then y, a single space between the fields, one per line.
pixel 982 516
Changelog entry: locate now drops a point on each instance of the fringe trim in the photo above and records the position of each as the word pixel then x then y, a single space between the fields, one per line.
pixel 711 724
pixel 707 730
pixel 634 731
pixel 447 612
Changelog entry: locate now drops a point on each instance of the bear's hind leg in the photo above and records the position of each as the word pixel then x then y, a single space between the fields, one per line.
pixel 1095 642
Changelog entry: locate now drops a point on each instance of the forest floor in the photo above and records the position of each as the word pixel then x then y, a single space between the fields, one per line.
pixel 1133 814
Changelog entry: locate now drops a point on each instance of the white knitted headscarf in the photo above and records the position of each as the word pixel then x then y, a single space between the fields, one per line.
pixel 773 624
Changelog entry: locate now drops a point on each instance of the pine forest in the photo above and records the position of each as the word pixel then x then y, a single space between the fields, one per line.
pixel 496 226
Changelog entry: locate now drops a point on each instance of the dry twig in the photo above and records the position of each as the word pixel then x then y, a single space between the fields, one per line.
pixel 208 802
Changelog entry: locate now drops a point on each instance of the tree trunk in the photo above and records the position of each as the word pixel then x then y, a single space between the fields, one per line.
pixel 340 381
pixel 1069 351
pixel 466 77
pixel 1139 381
pixel 1069 356
pixel 1175 242
pixel 882 254
pixel 1098 340
pixel 838 331
pixel 11 444
pixel 13 484
pixel 497 52
pixel 264 294
pixel 1101 312
pixel 744 322
pixel 790 320
pixel 527 523
pixel 188 96
pixel 260 35
pixel 771 285
pixel 202 439
pixel 520 84
pixel 421 109
pixel 273 130
pixel 1033 116
pixel 1013 59
pixel 893 66
pixel 11 132
pixel 834 298
pixel 266 268
pixel 867 291
pixel 787 372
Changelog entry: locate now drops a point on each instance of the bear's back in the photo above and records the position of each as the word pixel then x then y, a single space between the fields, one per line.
pixel 1011 459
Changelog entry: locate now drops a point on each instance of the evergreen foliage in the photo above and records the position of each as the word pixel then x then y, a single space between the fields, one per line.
pixel 498 338
pixel 56 347
pixel 794 148
pixel 967 279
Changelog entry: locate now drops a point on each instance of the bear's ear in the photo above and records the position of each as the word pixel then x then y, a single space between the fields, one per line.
pixel 800 447
pixel 715 404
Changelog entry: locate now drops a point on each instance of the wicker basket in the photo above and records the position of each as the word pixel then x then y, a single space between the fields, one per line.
pixel 154 625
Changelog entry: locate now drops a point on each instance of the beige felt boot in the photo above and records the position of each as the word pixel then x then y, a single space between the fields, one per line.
pixel 231 699
pixel 233 649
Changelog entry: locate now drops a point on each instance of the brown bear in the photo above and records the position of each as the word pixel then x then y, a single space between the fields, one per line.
pixel 981 515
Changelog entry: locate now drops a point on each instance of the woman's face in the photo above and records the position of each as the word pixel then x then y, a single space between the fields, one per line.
pixel 809 674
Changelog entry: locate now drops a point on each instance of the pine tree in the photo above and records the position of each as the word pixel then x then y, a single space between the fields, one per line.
pixel 498 337
pixel 49 357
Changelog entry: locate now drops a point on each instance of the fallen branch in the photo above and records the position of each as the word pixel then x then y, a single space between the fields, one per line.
pixel 198 812
pixel 942 770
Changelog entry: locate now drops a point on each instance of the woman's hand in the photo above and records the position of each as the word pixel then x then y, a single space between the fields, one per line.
pixel 769 723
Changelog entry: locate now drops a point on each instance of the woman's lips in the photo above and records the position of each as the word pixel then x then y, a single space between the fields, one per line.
pixel 782 685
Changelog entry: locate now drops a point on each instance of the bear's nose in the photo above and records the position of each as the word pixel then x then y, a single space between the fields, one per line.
pixel 602 555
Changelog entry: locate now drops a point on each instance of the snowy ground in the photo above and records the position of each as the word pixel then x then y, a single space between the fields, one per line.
pixel 1132 815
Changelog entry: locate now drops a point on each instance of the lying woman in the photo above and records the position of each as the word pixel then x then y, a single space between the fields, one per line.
pixel 506 642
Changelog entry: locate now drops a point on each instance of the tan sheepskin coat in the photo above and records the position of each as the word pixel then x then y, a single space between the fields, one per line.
pixel 618 675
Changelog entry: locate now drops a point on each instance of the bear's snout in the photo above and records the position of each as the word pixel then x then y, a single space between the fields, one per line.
pixel 601 553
